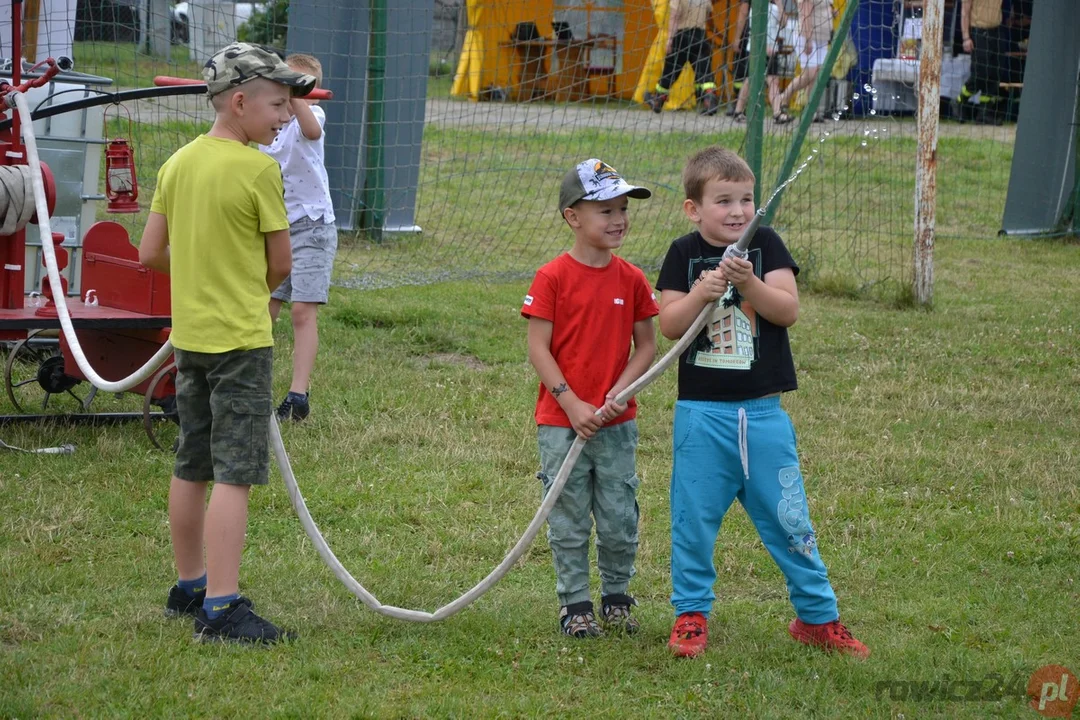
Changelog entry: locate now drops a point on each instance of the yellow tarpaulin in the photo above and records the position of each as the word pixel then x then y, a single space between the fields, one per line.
pixel 682 91
pixel 470 64
pixel 489 57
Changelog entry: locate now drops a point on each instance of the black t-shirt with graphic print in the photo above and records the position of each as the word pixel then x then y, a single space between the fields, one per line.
pixel 738 355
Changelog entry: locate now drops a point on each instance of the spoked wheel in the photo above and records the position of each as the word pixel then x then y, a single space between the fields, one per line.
pixel 162 431
pixel 34 373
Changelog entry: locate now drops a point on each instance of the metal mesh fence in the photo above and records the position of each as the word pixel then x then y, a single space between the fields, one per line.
pixel 453 122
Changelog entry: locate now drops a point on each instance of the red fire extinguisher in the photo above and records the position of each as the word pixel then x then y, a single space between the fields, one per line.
pixel 121 185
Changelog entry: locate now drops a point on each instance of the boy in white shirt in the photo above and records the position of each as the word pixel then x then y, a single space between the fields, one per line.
pixel 298 148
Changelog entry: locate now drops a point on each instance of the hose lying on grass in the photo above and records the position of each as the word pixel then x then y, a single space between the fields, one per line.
pixel 282 457
pixel 542 512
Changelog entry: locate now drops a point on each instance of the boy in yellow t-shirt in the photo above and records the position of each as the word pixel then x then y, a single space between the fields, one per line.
pixel 217 224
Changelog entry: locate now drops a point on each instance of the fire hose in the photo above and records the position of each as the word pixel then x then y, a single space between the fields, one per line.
pixel 18 100
pixel 16 198
pixel 281 456
pixel 737 249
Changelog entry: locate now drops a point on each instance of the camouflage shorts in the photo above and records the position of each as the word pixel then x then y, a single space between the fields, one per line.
pixel 224 401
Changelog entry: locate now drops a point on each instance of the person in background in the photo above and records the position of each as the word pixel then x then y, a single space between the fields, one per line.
pixel 687 42
pixel 815 32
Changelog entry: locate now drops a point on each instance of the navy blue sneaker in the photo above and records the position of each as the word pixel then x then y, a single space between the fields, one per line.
pixel 238 624
pixel 615 614
pixel 294 407
pixel 577 620
pixel 180 603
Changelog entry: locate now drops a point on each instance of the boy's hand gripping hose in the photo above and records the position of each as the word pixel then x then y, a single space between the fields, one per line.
pixel 18 100
pixel 542 512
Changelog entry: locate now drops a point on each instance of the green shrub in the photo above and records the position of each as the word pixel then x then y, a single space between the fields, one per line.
pixel 269 26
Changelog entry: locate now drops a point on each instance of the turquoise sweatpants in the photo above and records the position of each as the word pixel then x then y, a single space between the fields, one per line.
pixel 744 450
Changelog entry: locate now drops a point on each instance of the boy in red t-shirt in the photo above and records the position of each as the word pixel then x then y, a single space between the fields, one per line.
pixel 585 308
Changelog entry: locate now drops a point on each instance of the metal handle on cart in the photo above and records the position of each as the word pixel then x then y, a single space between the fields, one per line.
pixel 166 80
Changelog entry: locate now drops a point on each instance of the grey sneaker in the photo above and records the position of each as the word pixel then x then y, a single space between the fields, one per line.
pixel 709 103
pixel 656 101
pixel 577 620
pixel 615 614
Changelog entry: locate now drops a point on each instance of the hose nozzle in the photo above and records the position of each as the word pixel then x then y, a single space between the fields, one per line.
pixel 739 248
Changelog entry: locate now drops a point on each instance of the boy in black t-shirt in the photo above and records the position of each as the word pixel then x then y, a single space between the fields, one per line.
pixel 732 439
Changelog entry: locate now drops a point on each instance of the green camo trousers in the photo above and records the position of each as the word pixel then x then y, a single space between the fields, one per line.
pixel 603 485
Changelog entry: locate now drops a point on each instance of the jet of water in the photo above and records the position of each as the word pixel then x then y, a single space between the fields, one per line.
pixel 739 249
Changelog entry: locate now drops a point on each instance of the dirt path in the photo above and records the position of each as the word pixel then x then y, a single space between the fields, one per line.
pixel 549 117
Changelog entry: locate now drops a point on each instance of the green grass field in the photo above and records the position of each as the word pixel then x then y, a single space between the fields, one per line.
pixel 938 449
pixel 848 222
pixel 937 446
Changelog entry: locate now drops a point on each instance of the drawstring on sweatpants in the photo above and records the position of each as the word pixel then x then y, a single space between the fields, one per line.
pixel 744 454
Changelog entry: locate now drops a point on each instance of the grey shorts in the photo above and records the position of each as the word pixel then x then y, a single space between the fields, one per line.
pixel 314 244
pixel 224 401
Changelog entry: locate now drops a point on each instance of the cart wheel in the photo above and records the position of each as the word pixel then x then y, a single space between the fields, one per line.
pixel 35 368
pixel 163 432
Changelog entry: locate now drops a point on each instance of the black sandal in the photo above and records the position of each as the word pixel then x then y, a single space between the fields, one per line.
pixel 615 613
pixel 577 620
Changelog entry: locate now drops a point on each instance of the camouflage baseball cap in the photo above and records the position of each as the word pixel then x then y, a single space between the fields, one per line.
pixel 240 62
pixel 594 179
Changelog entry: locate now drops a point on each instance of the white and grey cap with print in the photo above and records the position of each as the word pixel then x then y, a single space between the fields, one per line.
pixel 596 180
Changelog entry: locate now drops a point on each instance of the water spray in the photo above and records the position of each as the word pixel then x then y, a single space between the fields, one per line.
pixel 740 248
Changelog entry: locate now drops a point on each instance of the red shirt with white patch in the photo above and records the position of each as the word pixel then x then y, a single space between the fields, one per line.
pixel 593 311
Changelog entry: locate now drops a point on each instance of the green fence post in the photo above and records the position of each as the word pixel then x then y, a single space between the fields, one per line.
pixel 755 108
pixel 374 187
pixel 1072 209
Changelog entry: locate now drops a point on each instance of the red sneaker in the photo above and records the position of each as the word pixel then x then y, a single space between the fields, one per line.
pixel 828 636
pixel 689 636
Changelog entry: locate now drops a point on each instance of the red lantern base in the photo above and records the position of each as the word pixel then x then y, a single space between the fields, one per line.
pixel 122 205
